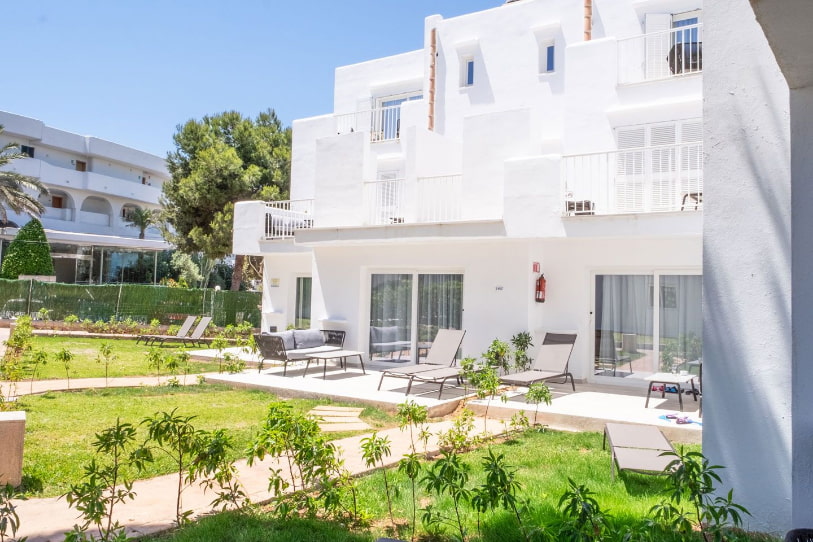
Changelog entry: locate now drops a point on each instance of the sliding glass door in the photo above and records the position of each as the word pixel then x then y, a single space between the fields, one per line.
pixel 404 320
pixel 638 332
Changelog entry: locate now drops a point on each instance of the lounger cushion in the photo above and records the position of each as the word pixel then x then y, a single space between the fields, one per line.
pixel 387 334
pixel 307 338
pixel 287 339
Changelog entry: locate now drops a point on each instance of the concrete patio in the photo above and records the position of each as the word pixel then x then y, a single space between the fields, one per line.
pixel 586 409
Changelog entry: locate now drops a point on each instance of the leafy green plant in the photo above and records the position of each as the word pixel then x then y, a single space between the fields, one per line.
pixel 44 313
pixel 9 519
pixel 105 484
pixel 106 357
pixel 71 319
pixel 175 436
pixel 538 392
pixel 583 518
pixel 65 357
pixel 691 502
pixel 217 471
pixel 519 423
pixel 521 342
pixel 498 356
pixel 155 360
pixel 448 476
pixel 460 437
pixel 219 343
pixel 501 489
pixel 374 449
pixel 38 358
pixel 234 364
pixel 28 253
pixel 410 414
pixel 487 385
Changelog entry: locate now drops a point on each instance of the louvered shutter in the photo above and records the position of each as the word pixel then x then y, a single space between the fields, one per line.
pixel 629 187
pixel 691 159
pixel 662 186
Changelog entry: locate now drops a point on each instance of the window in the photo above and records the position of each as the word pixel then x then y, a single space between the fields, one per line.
pixel 57 202
pixel 81 166
pixel 302 314
pixel 26 150
pixel 467 72
pixel 387 123
pixel 547 55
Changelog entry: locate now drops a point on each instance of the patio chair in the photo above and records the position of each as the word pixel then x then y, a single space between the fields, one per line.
pixel 799 535
pixel 638 448
pixel 195 338
pixel 183 331
pixel 436 376
pixel 551 361
pixel 442 354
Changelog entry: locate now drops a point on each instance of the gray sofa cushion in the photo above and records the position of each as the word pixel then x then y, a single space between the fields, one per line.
pixel 308 338
pixel 287 339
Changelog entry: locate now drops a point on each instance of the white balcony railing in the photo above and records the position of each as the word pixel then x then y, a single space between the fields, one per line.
pixel 383 123
pixel 385 201
pixel 642 180
pixel 283 218
pixel 660 55
pixel 55 213
pixel 440 198
pixel 396 201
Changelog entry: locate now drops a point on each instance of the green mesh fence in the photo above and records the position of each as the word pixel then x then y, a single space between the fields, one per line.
pixel 140 302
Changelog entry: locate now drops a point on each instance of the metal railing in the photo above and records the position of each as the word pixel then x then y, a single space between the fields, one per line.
pixel 382 123
pixel 283 218
pixel 440 198
pixel 660 55
pixel 385 201
pixel 641 180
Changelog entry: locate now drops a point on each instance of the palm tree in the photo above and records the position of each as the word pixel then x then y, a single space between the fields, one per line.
pixel 141 219
pixel 13 186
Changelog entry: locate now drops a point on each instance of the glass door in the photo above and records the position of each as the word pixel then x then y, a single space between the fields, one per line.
pixel 638 332
pixel 404 320
pixel 302 311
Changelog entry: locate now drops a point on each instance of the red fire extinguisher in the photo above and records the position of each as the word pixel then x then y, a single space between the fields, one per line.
pixel 540 289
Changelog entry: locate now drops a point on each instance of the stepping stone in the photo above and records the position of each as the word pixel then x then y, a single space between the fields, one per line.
pixel 343 410
pixel 334 427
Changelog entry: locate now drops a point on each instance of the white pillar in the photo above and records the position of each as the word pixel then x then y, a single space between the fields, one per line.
pixel 749 267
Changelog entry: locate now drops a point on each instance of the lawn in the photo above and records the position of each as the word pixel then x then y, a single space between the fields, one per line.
pixel 60 427
pixel 544 463
pixel 131 358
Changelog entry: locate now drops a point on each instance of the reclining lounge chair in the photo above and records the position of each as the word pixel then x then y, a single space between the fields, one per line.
pixel 638 448
pixel 195 338
pixel 551 361
pixel 441 355
pixel 183 331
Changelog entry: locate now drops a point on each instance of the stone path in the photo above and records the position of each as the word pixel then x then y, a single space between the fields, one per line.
pixel 337 418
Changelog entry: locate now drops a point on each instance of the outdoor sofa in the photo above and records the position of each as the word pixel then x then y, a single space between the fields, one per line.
pixel 385 340
pixel 296 344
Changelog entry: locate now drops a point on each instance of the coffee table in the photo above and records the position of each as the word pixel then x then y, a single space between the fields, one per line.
pixel 670 379
pixel 341 355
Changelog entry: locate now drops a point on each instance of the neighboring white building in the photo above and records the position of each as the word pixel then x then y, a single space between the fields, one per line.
pixel 522 140
pixel 92 185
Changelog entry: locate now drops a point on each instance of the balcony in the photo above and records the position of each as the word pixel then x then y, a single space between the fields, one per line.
pixel 383 123
pixel 429 200
pixel 54 213
pixel 661 55
pixel 283 218
pixel 642 180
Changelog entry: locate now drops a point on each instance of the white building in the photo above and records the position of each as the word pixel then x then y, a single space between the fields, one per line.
pixel 92 186
pixel 523 140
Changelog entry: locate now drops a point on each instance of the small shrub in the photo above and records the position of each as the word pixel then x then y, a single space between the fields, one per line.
pixel 71 319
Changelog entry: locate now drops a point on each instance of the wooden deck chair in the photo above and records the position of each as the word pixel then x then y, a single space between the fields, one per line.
pixel 183 331
pixel 442 354
pixel 638 448
pixel 551 361
pixel 197 335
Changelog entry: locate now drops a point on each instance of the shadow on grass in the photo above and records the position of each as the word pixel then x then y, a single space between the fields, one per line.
pixel 31 484
pixel 236 527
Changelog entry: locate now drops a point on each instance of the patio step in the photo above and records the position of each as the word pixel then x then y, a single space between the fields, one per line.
pixel 335 418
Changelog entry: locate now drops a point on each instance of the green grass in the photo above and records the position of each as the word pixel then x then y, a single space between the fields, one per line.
pixel 131 358
pixel 60 427
pixel 544 463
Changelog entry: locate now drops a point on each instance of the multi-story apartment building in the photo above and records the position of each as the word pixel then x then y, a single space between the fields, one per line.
pixel 92 185
pixel 536 140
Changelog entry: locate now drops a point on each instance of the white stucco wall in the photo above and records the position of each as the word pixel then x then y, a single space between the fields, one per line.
pixel 748 277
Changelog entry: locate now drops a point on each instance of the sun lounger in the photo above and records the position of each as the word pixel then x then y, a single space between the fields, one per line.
pixel 551 361
pixel 637 448
pixel 195 338
pixel 183 331
pixel 442 354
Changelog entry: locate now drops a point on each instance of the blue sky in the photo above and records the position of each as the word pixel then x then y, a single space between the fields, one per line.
pixel 130 71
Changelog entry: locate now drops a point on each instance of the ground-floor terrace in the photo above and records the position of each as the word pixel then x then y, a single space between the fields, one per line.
pixel 588 408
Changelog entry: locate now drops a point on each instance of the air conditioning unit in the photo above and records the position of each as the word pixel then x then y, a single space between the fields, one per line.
pixel 73 162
